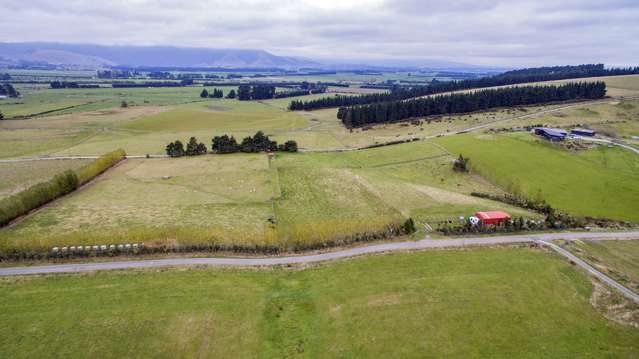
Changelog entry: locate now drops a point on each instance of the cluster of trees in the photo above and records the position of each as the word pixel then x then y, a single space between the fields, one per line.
pixel 468 102
pixel 64 85
pixel 161 75
pixel 258 143
pixel 213 94
pixel 1 116
pixel 257 92
pixel 71 85
pixel 117 74
pixel 228 144
pixel 437 87
pixel 5 77
pixel 193 148
pixel 8 90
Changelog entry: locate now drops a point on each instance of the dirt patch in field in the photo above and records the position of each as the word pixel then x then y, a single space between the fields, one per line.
pixel 192 333
pixel 384 299
pixel 443 196
pixel 219 108
pixel 614 306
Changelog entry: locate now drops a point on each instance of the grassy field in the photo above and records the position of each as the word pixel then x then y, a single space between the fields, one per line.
pixel 619 259
pixel 38 98
pixel 293 201
pixel 15 177
pixel 159 115
pixel 597 182
pixel 482 303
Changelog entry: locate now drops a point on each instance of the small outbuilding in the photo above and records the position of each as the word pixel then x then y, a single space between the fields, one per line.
pixel 493 217
pixel 583 132
pixel 552 134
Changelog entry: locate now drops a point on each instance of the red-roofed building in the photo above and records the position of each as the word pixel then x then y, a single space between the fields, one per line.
pixel 492 217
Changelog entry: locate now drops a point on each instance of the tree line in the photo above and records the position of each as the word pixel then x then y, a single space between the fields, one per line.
pixel 265 92
pixel 356 116
pixel 152 84
pixel 214 94
pixel 437 87
pixel 258 92
pixel 228 144
pixel 8 90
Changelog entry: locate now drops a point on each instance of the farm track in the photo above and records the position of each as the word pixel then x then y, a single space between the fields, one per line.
pixel 426 243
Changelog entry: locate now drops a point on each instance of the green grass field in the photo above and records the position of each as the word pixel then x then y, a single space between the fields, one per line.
pixel 157 116
pixel 293 201
pixel 619 259
pixel 482 303
pixel 598 182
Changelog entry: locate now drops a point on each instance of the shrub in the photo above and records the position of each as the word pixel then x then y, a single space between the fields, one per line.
pixel 175 149
pixel 461 164
pixel 97 167
pixel 409 226
pixel 288 146
pixel 23 202
pixel 193 148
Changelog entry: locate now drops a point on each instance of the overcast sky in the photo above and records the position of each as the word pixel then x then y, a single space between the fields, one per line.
pixel 482 32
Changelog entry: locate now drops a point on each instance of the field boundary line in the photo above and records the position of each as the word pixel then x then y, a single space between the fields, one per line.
pixel 35 211
pixel 426 243
pixel 592 271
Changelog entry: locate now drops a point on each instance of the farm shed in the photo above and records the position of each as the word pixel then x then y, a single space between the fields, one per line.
pixel 492 217
pixel 582 132
pixel 552 134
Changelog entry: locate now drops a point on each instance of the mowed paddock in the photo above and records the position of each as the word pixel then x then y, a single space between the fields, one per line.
pixel 488 302
pixel 251 202
pixel 598 182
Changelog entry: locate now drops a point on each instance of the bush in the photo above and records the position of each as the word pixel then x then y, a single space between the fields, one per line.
pixel 175 149
pixel 288 146
pixel 36 196
pixel 97 167
pixel 194 148
pixel 409 226
pixel 461 164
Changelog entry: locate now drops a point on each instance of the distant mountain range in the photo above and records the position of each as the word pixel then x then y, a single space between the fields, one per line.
pixel 96 56
pixel 89 56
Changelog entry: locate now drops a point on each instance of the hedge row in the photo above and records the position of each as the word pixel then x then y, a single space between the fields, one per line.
pixel 37 251
pixel 97 167
pixel 23 202
pixel 42 193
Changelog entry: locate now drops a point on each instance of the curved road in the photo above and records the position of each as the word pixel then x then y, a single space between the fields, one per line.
pixel 592 271
pixel 312 258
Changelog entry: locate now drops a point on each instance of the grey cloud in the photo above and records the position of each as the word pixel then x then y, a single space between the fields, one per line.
pixel 490 32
